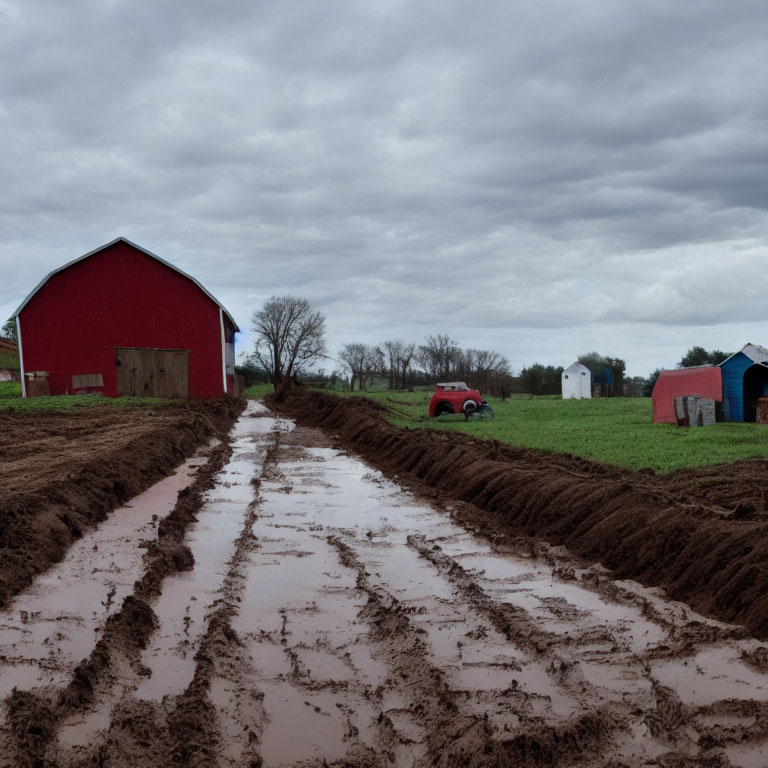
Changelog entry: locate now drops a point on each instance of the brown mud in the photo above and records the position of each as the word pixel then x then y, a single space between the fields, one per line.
pixel 295 607
pixel 33 717
pixel 63 472
pixel 700 534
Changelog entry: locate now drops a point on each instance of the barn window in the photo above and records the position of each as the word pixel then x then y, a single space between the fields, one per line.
pixel 583 373
pixel 566 375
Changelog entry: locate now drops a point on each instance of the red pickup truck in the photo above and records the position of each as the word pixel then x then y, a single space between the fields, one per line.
pixel 454 397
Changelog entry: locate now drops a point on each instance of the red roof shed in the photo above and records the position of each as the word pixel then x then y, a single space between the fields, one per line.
pixel 120 320
pixel 704 380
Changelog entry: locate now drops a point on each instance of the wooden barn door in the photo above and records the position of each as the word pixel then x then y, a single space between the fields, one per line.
pixel 152 372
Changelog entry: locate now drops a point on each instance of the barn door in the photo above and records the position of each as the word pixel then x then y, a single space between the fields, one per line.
pixel 152 372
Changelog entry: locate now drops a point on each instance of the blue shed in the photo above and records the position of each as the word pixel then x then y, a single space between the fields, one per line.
pixel 602 383
pixel 745 379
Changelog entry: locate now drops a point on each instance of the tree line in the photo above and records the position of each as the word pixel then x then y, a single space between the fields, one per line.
pixel 404 364
pixel 290 337
pixel 546 379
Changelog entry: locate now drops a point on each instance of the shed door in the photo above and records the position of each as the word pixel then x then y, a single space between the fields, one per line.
pixel 152 372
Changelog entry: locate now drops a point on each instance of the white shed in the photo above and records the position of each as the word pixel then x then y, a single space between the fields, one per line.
pixel 577 382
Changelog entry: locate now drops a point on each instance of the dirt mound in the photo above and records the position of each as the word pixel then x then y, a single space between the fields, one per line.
pixel 63 472
pixel 701 534
pixel 33 717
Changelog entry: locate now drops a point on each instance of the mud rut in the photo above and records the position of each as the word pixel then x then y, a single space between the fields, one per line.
pixel 326 616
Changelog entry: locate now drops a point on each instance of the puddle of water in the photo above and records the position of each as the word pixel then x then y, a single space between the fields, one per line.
pixel 308 724
pixel 747 755
pixel 492 567
pixel 83 728
pixel 565 608
pixel 407 575
pixel 56 621
pixel 637 743
pixel 711 675
pixel 621 677
pixel 182 605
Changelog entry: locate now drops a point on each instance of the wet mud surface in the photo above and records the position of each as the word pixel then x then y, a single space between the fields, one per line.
pixel 63 472
pixel 700 534
pixel 292 606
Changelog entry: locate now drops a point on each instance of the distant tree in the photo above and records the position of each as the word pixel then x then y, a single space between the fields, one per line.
pixel 252 372
pixel 538 379
pixel 289 336
pixel 8 330
pixel 407 354
pixel 392 352
pixel 595 362
pixel 532 379
pixel 362 362
pixel 437 356
pixel 650 382
pixel 634 386
pixel 700 356
pixel 618 369
pixel 598 363
pixel 491 371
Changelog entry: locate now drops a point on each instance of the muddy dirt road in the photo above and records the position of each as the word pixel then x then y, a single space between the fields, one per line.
pixel 62 472
pixel 332 618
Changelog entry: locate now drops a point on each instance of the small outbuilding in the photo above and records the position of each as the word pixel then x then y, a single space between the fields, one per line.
pixel 745 381
pixel 576 381
pixel 122 321
pixel 702 380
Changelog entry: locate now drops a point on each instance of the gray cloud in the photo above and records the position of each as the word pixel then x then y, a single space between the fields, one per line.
pixel 542 178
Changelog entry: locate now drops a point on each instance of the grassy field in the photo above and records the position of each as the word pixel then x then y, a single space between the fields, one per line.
pixel 256 392
pixel 11 400
pixel 613 430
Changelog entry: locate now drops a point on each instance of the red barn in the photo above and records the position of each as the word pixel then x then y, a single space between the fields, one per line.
pixel 122 321
pixel 705 380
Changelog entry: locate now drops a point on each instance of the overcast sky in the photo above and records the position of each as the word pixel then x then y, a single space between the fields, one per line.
pixel 538 178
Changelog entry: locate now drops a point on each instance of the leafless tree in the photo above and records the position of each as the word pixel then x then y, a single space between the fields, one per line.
pixel 392 351
pixel 406 356
pixel 491 370
pixel 289 336
pixel 437 356
pixel 362 362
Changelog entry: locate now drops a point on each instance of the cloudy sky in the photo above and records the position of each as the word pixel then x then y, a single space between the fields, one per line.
pixel 541 178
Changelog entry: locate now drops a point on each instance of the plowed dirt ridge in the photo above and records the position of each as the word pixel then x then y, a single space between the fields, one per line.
pixel 317 614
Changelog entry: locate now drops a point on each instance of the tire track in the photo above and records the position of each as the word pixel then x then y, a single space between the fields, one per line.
pixel 35 716
pixel 186 729
pixel 454 734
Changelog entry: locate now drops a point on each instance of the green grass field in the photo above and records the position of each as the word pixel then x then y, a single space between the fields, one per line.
pixel 613 430
pixel 257 392
pixel 11 400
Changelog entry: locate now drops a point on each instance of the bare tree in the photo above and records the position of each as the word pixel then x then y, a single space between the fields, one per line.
pixel 406 356
pixel 289 336
pixel 361 361
pixel 491 370
pixel 437 356
pixel 392 351
pixel 374 365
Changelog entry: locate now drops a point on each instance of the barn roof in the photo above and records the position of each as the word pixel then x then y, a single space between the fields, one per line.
pixel 754 352
pixel 138 248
